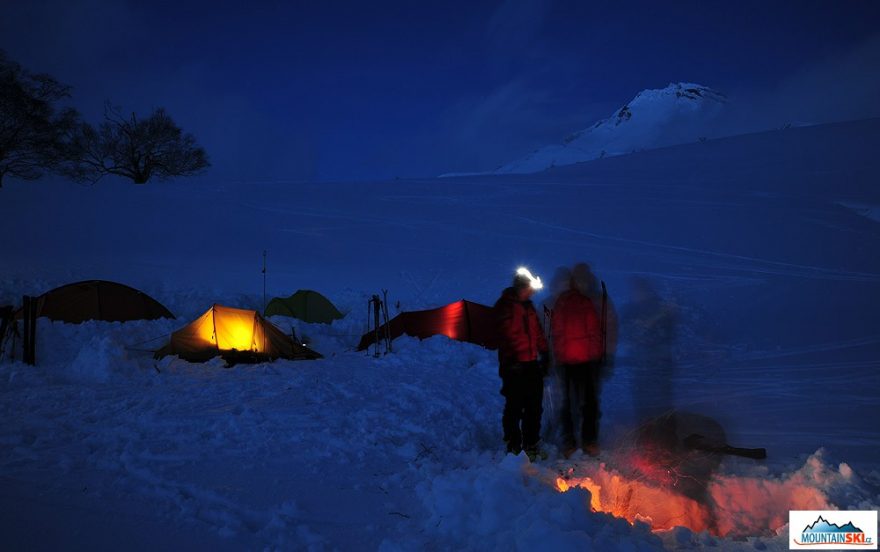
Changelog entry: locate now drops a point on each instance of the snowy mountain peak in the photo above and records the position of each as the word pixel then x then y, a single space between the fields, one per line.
pixel 654 118
pixel 676 95
pixel 683 90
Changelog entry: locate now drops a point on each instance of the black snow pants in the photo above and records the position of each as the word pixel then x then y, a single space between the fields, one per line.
pixel 580 403
pixel 523 388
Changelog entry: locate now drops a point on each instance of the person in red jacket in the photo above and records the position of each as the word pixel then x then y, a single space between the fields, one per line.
pixel 523 361
pixel 578 352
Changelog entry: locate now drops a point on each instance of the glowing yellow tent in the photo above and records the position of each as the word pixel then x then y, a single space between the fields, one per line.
pixel 237 335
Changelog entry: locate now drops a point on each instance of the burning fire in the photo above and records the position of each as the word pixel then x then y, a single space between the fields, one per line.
pixel 595 503
pixel 665 495
pixel 657 477
pixel 636 500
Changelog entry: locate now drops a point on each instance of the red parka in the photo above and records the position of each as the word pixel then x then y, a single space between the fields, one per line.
pixel 520 335
pixel 577 337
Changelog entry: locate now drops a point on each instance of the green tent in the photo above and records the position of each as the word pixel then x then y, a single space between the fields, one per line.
pixel 306 305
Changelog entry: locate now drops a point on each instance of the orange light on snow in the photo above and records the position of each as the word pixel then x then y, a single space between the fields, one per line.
pixel 586 483
pixel 561 485
pixel 657 480
pixel 636 500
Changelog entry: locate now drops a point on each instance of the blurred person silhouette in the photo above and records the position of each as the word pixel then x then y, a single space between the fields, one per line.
pixel 650 325
pixel 558 284
pixel 579 331
pixel 523 361
pixel 595 290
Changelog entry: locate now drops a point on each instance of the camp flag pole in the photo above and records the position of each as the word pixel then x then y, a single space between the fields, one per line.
pixel 387 326
pixel 604 327
pixel 264 280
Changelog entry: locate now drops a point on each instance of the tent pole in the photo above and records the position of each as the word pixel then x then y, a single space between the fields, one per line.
pixel 264 280
pixel 369 304
pixel 34 302
pixel 604 322
pixel 387 326
pixel 214 326
pixel 377 305
pixel 26 321
pixel 6 318
pixel 29 345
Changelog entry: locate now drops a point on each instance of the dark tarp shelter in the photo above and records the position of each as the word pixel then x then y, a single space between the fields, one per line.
pixel 98 300
pixel 237 335
pixel 462 320
pixel 305 304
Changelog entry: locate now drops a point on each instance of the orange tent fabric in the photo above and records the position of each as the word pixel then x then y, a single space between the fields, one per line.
pixel 462 320
pixel 235 334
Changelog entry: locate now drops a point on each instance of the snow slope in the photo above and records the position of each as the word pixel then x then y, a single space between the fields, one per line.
pixel 677 114
pixel 773 284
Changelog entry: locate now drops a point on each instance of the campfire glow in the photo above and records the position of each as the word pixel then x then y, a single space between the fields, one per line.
pixel 636 500
pixel 723 505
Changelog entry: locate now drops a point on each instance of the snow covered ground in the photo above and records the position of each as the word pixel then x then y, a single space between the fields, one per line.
pixel 751 242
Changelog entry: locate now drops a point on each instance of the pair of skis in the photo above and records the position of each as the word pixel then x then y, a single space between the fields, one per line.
pixel 380 324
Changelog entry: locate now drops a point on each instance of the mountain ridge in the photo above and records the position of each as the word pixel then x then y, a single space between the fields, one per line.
pixel 679 113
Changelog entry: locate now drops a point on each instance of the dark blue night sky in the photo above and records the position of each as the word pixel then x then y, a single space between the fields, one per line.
pixel 361 90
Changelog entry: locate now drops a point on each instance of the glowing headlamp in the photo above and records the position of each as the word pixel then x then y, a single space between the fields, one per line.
pixel 534 281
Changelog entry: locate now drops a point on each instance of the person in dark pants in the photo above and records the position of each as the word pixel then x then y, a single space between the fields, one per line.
pixel 522 364
pixel 578 348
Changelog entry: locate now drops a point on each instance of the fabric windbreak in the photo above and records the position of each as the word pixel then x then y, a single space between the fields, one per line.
pixel 462 320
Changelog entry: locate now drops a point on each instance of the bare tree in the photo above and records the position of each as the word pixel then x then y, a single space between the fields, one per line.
pixel 33 130
pixel 139 149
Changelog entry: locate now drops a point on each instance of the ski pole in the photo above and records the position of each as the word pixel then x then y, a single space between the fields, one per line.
pixel 604 321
